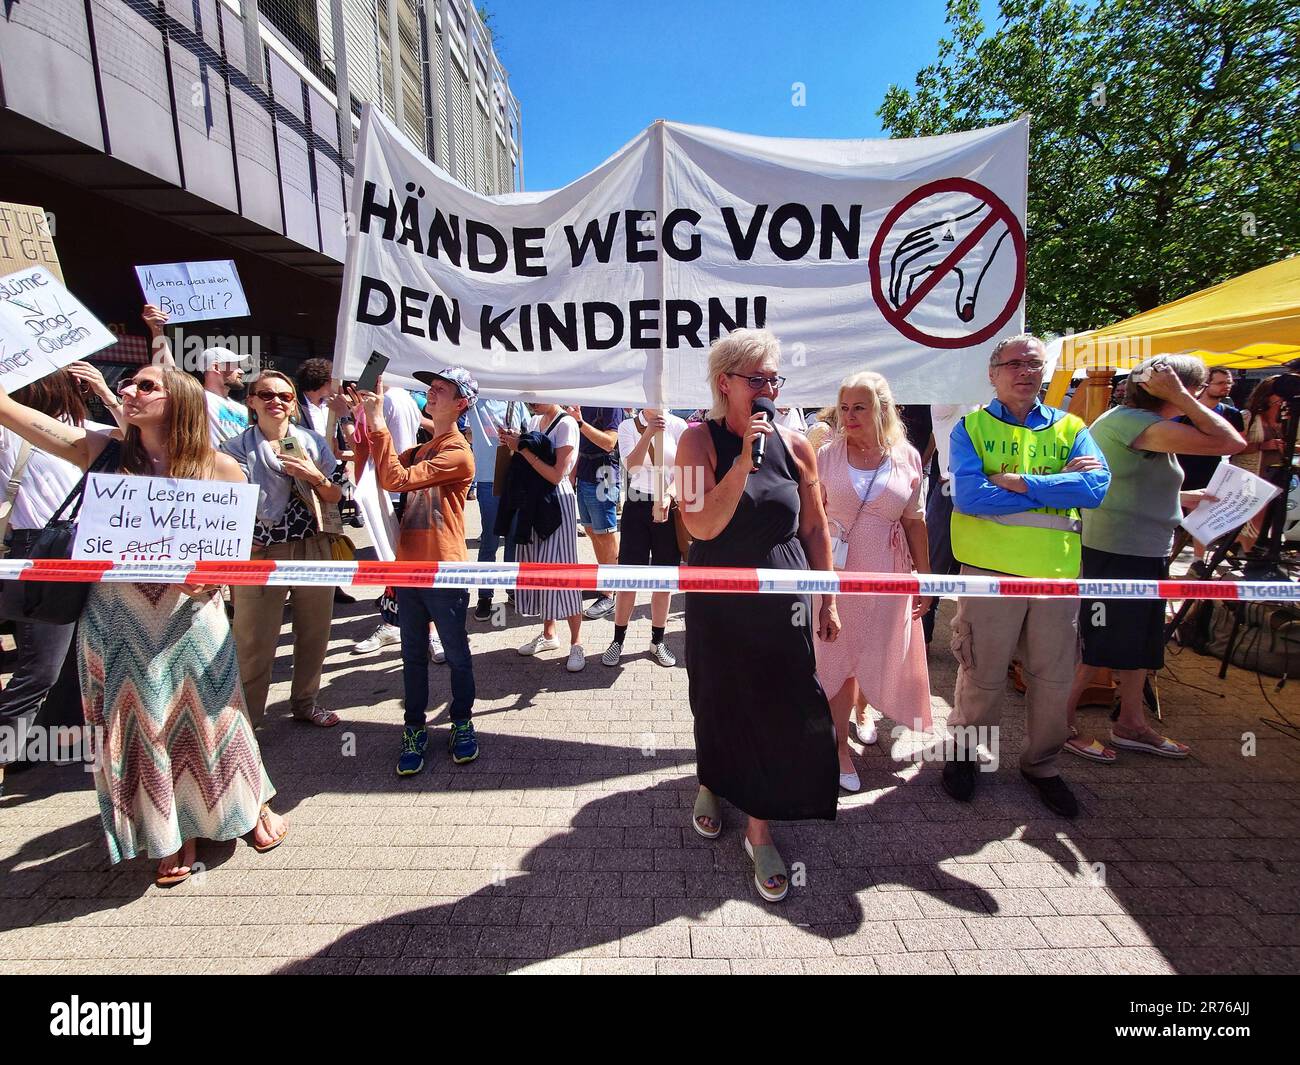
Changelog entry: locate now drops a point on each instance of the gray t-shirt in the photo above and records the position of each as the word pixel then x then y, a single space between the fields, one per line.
pixel 1140 511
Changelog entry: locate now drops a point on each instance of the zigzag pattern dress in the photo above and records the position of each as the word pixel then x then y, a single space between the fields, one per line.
pixel 177 758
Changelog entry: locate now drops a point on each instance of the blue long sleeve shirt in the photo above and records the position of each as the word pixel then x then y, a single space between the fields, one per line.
pixel 973 493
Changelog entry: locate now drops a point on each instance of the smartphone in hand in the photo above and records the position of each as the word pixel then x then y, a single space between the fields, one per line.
pixel 374 370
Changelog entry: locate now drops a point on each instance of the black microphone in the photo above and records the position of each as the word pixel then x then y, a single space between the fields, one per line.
pixel 762 405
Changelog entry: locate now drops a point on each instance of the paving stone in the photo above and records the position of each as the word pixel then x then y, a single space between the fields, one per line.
pixel 565 849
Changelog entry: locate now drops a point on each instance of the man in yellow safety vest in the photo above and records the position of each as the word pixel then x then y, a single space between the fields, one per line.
pixel 1021 471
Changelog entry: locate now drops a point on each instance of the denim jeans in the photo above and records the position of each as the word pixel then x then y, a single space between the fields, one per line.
pixel 488 540
pixel 41 652
pixel 446 608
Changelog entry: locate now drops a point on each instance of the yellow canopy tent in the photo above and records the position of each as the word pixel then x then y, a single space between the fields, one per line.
pixel 1248 322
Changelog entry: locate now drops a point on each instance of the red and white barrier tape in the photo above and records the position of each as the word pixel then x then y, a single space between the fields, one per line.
pixel 626 578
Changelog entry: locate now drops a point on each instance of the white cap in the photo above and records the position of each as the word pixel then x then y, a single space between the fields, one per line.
pixel 214 357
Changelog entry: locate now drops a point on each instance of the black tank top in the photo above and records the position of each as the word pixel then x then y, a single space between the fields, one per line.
pixel 762 531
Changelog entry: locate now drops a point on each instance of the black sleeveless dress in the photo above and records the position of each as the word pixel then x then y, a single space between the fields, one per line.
pixel 763 734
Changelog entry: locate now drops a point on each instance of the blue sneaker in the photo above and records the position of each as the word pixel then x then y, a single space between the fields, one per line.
pixel 411 760
pixel 462 743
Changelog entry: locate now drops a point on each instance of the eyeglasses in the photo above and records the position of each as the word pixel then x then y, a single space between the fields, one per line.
pixel 758 380
pixel 1020 365
pixel 266 395
pixel 143 386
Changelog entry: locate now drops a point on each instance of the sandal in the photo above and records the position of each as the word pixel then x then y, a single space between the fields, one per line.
pixel 172 879
pixel 708 807
pixel 1152 743
pixel 1094 750
pixel 262 848
pixel 320 717
pixel 768 866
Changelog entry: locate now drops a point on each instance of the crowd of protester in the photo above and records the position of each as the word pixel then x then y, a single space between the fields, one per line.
pixel 778 684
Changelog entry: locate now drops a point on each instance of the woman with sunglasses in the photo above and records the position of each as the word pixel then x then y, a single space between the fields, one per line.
pixel 178 761
pixel 763 735
pixel 298 475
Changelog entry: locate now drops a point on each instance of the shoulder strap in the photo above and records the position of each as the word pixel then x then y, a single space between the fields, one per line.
pixel 559 418
pixel 110 456
pixel 11 488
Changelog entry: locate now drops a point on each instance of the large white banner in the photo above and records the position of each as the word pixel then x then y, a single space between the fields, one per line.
pixel 901 256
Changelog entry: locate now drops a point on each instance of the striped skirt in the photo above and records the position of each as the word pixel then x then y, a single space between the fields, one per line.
pixel 560 546
pixel 176 756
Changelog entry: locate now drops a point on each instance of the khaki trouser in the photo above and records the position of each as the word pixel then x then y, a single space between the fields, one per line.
pixel 986 633
pixel 259 613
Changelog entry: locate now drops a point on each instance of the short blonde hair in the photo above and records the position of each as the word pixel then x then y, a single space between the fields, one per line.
pixel 739 349
pixel 889 426
pixel 278 375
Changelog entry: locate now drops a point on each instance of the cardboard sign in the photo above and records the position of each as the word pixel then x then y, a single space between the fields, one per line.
pixel 43 327
pixel 125 518
pixel 191 292
pixel 26 239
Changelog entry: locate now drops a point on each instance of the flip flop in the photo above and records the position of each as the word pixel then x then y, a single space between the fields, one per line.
pixel 768 864
pixel 1165 748
pixel 174 878
pixel 1094 750
pixel 262 848
pixel 707 805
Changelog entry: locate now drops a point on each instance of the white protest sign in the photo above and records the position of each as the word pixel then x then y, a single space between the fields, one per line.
pixel 191 292
pixel 901 256
pixel 125 518
pixel 43 327
pixel 1240 496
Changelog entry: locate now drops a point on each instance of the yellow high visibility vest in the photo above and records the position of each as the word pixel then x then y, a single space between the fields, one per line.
pixel 1044 542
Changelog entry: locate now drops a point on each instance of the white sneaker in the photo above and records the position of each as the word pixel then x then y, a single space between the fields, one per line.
pixel 865 731
pixel 540 642
pixel 660 653
pixel 435 648
pixel 382 637
pixel 612 654
pixel 577 660
pixel 600 608
pixel 850 781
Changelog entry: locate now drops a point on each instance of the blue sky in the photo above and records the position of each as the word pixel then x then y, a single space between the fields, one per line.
pixel 590 75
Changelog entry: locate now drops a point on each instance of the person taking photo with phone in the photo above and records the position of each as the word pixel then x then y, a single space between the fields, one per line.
pixel 297 475
pixel 434 479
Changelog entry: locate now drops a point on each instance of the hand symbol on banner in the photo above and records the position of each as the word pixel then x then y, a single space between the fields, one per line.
pixel 924 249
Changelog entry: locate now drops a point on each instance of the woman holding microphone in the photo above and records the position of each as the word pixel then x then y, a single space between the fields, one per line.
pixel 763 734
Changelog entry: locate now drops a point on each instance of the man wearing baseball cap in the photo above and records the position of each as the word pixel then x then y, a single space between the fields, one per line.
pixel 223 371
pixel 435 479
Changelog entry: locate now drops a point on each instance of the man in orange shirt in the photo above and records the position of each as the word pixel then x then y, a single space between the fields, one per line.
pixel 435 478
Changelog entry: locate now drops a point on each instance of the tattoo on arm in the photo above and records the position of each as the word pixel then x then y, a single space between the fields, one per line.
pixel 55 432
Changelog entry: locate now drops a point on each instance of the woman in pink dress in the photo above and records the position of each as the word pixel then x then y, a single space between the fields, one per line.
pixel 871 487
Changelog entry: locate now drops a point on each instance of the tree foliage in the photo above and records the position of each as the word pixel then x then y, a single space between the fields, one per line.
pixel 1164 140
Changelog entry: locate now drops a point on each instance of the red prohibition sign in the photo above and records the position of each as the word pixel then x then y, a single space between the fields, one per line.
pixel 897 316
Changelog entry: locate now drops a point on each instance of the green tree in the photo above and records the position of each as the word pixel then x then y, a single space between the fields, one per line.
pixel 1164 149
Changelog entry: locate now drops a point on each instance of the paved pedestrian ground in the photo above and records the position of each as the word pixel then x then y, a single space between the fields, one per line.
pixel 567 847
